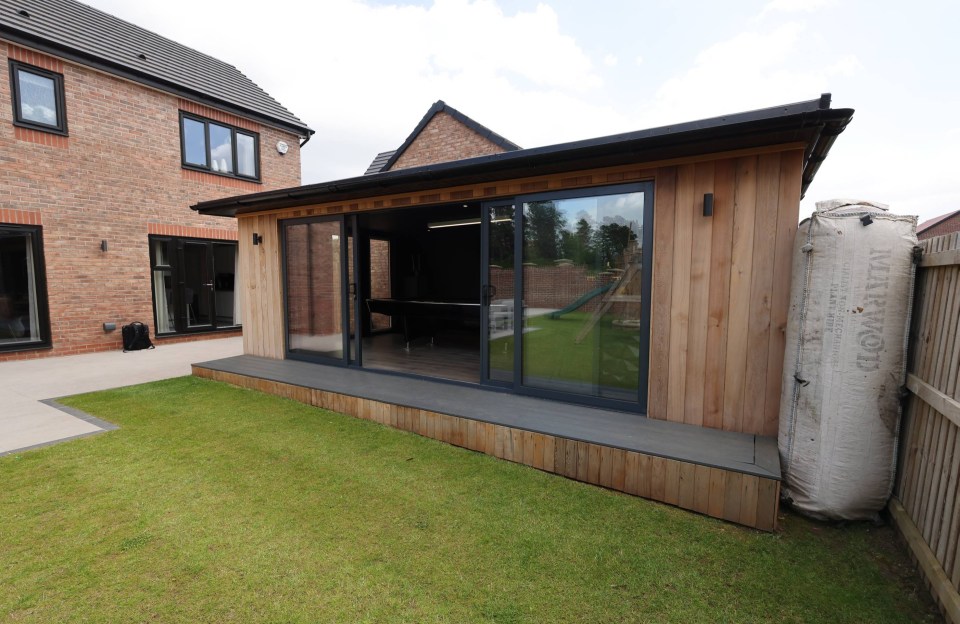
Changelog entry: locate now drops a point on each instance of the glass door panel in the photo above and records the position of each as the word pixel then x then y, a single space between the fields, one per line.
pixel 197 285
pixel 226 301
pixel 582 279
pixel 313 256
pixel 499 278
pixel 352 298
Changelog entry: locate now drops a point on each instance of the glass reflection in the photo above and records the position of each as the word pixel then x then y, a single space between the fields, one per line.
pixel 582 268
pixel 246 158
pixel 194 143
pixel 221 149
pixel 38 99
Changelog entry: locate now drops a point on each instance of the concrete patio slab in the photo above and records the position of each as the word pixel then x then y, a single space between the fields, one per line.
pixel 28 419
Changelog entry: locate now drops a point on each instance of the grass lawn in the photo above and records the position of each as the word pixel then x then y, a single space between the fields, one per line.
pixel 607 357
pixel 213 503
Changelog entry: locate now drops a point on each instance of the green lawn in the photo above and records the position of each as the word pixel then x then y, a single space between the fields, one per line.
pixel 607 357
pixel 214 504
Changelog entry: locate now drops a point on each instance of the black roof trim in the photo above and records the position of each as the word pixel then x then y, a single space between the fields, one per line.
pixel 85 35
pixel 808 122
pixel 438 107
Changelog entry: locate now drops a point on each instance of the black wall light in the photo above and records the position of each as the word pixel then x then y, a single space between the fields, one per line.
pixel 257 239
pixel 103 245
pixel 708 204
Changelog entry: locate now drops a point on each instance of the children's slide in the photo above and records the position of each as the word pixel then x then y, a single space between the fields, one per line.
pixel 596 292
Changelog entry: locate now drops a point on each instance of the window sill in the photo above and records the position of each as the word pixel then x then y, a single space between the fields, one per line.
pixel 16 347
pixel 41 128
pixel 218 174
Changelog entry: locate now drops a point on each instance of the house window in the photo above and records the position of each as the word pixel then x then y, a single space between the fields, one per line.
pixel 195 284
pixel 23 298
pixel 219 148
pixel 38 100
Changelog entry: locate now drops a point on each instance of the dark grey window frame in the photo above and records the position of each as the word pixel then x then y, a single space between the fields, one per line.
pixel 234 131
pixel 176 267
pixel 61 126
pixel 40 273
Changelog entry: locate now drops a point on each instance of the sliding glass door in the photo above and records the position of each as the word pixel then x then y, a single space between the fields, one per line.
pixel 498 285
pixel 566 290
pixel 320 289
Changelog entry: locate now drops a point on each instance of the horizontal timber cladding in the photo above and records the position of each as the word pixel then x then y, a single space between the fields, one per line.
pixel 728 495
pixel 720 283
pixel 926 503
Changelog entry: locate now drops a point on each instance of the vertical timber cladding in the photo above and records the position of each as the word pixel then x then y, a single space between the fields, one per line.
pixel 720 283
pixel 261 279
pixel 721 290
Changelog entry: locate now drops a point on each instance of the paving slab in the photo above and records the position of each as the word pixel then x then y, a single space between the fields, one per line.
pixel 29 419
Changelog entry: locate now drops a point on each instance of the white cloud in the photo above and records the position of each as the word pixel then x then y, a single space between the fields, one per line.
pixel 846 66
pixel 793 6
pixel 639 60
pixel 610 60
pixel 363 75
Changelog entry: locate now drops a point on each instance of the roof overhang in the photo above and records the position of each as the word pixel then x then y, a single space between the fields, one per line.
pixel 812 123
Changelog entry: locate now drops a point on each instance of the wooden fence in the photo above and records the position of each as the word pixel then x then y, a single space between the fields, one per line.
pixel 926 504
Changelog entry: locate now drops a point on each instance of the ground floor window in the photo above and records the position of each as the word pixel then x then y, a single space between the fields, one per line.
pixel 24 321
pixel 195 284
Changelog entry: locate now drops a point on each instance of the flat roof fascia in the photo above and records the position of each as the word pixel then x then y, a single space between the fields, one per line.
pixel 806 122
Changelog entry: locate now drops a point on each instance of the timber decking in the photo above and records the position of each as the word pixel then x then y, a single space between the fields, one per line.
pixel 727 475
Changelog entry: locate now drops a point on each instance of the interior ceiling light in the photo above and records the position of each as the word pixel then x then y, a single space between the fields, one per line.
pixel 458 222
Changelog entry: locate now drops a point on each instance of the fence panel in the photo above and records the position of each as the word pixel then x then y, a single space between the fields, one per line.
pixel 926 504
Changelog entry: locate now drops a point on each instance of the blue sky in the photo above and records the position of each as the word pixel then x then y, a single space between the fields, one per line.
pixel 362 74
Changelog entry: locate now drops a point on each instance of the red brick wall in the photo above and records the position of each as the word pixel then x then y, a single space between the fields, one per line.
pixel 551 286
pixel 117 177
pixel 442 140
pixel 313 280
pixel 947 226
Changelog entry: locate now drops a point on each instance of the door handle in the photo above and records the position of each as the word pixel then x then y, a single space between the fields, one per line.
pixel 209 284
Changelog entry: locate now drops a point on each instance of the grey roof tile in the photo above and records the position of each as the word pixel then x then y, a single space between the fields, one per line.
pixel 87 34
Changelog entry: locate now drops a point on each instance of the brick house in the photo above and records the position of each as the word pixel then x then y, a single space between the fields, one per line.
pixel 443 135
pixel 108 133
pixel 938 226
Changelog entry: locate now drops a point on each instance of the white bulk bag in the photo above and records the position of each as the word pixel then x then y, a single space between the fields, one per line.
pixel 845 360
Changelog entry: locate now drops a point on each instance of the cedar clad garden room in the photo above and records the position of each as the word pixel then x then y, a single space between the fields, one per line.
pixel 611 310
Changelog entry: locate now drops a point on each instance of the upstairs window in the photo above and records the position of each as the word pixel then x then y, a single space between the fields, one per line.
pixel 38 101
pixel 218 148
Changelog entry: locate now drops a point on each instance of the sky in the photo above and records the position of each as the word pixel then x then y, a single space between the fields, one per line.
pixel 362 73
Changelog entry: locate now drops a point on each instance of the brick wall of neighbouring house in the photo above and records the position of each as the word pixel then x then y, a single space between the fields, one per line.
pixel 947 226
pixel 557 286
pixel 116 177
pixel 313 283
pixel 442 140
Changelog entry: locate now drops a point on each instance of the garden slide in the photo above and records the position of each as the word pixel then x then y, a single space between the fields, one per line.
pixel 596 292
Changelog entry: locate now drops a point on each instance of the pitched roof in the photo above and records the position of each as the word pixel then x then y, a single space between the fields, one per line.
pixel 813 123
pixel 381 159
pixel 929 223
pixel 78 32
pixel 439 107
